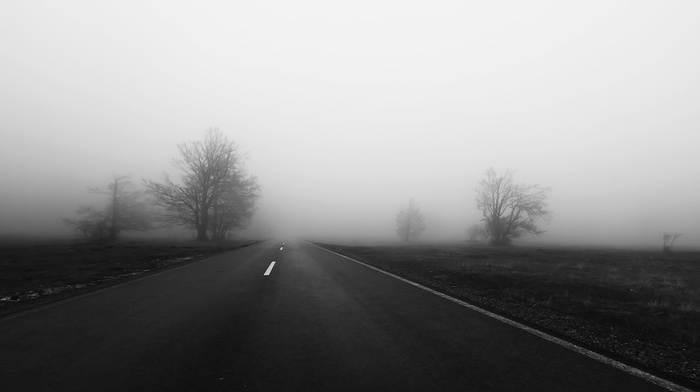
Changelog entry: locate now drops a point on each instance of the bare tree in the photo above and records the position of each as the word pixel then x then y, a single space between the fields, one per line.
pixel 91 225
pixel 510 210
pixel 213 191
pixel 669 239
pixel 126 210
pixel 235 205
pixel 410 222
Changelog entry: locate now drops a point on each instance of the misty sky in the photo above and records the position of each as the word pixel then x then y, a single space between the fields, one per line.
pixel 347 110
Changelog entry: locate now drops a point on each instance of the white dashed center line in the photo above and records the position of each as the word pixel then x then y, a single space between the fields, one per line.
pixel 281 247
pixel 269 269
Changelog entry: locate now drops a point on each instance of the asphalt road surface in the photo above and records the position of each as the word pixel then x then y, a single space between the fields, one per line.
pixel 315 322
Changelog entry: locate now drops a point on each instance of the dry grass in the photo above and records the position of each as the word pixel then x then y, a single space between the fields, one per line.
pixel 34 272
pixel 656 294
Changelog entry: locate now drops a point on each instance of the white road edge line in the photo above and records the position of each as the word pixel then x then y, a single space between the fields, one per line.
pixel 269 269
pixel 598 357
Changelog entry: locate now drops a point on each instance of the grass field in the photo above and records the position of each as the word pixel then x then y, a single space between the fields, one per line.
pixel 642 307
pixel 635 305
pixel 33 273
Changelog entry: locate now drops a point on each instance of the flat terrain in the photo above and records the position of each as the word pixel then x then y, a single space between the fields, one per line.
pixel 35 272
pixel 639 307
pixel 313 321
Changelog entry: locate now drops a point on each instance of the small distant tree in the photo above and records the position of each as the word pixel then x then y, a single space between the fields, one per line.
pixel 126 210
pixel 510 210
pixel 410 222
pixel 91 226
pixel 669 239
pixel 476 231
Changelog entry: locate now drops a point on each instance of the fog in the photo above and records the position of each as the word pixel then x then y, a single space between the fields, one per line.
pixel 346 111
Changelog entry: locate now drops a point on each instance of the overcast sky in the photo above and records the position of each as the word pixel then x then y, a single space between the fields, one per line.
pixel 348 109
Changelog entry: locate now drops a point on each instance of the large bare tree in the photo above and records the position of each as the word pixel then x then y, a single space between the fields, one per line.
pixel 410 222
pixel 126 210
pixel 214 195
pixel 235 205
pixel 510 210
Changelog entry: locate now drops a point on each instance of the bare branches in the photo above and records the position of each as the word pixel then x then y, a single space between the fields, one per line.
pixel 126 210
pixel 215 195
pixel 669 239
pixel 177 203
pixel 410 222
pixel 510 210
pixel 235 204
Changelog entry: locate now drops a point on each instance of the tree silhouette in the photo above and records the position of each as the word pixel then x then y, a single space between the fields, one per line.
pixel 410 222
pixel 215 194
pixel 669 239
pixel 126 210
pixel 510 210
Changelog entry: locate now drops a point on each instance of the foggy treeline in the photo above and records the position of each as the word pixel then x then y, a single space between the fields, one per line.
pixel 343 113
pixel 214 196
pixel 509 211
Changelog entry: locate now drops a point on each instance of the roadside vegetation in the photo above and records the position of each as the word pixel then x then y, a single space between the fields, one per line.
pixel 35 273
pixel 126 210
pixel 214 196
pixel 641 306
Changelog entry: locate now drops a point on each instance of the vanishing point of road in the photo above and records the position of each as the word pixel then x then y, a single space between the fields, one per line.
pixel 310 321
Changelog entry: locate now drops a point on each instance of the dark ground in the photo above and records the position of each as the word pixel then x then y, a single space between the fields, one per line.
pixel 639 307
pixel 317 322
pixel 38 272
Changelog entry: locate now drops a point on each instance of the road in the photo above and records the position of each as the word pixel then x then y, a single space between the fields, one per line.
pixel 315 322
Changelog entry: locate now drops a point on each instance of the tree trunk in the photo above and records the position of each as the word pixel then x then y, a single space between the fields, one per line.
pixel 113 229
pixel 203 225
pixel 202 233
